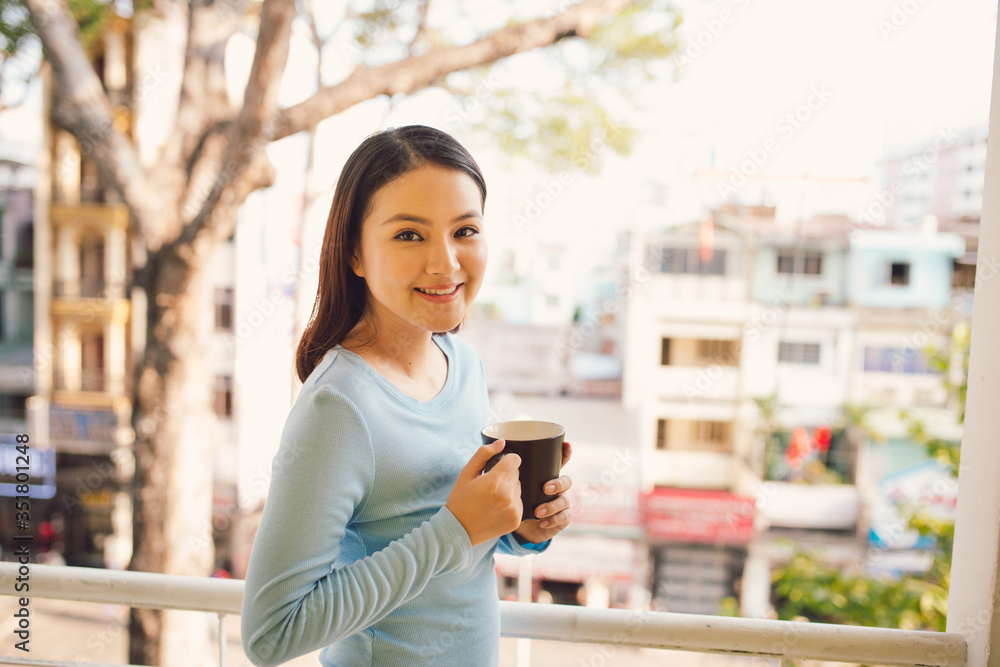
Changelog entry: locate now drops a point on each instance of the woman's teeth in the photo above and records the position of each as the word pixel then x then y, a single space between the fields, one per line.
pixel 438 292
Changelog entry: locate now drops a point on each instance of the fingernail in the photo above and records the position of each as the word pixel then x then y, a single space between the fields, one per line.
pixel 550 488
pixel 541 512
pixel 544 524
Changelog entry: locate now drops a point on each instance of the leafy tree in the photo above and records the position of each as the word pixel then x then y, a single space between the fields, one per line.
pixel 183 206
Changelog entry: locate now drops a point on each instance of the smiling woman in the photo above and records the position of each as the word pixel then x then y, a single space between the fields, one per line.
pixel 378 535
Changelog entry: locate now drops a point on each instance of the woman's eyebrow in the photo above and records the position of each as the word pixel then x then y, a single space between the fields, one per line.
pixel 409 217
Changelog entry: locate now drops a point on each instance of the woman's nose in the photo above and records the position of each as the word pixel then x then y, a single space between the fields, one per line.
pixel 443 258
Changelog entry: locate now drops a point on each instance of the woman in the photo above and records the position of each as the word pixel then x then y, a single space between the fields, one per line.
pixel 378 535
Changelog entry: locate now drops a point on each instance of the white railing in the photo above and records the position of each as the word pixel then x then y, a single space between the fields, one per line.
pixel 774 640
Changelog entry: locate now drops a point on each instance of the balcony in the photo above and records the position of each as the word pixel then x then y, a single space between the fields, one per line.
pixel 709 383
pixel 772 640
pixel 691 468
pixel 816 506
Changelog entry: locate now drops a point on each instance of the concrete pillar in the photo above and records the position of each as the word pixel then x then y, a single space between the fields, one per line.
pixel 115 64
pixel 974 597
pixel 65 170
pixel 114 358
pixel 755 587
pixel 67 269
pixel 69 347
pixel 114 263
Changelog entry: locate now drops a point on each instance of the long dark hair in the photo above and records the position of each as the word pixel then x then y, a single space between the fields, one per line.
pixel 341 299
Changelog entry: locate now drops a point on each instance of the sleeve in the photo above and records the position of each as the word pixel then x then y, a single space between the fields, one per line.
pixel 296 598
pixel 515 546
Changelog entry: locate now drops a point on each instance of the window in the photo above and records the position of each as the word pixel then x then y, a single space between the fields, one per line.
pixel 224 309
pixel 664 351
pixel 223 396
pixel 687 260
pixel 899 273
pixel 661 433
pixel 710 431
pixel 798 353
pixel 813 264
pixel 13 406
pixel 723 352
pixel 803 263
pixel 895 360
pixel 786 263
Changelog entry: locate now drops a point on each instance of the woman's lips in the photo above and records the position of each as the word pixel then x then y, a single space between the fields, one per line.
pixel 440 298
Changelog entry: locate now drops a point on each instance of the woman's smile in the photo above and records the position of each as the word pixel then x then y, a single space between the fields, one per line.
pixel 441 294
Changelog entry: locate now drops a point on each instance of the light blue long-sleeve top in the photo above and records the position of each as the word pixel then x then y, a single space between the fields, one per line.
pixel 355 551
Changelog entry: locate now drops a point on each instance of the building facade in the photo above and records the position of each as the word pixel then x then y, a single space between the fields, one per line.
pixel 752 354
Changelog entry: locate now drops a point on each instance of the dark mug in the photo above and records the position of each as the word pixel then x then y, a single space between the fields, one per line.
pixel 539 444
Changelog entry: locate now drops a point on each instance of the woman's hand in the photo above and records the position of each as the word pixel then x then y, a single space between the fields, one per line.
pixel 488 505
pixel 554 515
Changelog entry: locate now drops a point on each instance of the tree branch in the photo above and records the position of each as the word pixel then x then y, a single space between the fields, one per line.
pixel 203 100
pixel 422 10
pixel 253 128
pixel 415 73
pixel 81 107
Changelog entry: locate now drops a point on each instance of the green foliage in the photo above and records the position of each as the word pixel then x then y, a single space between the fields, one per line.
pixel 91 16
pixel 15 27
pixel 575 132
pixel 642 33
pixel 569 126
pixel 806 587
pixel 941 360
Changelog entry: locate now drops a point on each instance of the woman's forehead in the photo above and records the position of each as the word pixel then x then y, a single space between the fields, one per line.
pixel 431 192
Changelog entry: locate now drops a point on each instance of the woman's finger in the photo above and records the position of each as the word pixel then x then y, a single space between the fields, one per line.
pixel 567 451
pixel 559 485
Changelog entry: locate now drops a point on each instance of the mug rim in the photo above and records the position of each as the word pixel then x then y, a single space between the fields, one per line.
pixel 558 431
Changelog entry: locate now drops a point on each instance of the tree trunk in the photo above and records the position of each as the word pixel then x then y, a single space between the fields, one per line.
pixel 172 527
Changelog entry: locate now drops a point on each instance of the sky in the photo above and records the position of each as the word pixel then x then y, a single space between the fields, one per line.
pixel 862 80
pixel 824 89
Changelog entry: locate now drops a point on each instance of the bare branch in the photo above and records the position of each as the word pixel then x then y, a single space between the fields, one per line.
pixel 251 130
pixel 81 107
pixel 203 100
pixel 422 9
pixel 412 74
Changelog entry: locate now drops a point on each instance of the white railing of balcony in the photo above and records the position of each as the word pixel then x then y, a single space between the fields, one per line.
pixel 774 640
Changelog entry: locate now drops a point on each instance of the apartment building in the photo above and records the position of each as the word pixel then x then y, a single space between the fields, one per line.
pixel 748 351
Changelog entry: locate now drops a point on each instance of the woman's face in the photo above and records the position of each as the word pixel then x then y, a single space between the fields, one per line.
pixel 422 252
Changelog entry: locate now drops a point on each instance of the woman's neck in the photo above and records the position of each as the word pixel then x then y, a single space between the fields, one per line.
pixel 407 353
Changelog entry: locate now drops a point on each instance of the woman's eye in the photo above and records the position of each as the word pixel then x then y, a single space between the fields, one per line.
pixel 467 231
pixel 408 235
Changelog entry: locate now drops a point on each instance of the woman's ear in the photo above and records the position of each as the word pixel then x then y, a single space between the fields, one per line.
pixel 356 264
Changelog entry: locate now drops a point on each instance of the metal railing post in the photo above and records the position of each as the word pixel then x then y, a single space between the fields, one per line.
pixel 223 640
